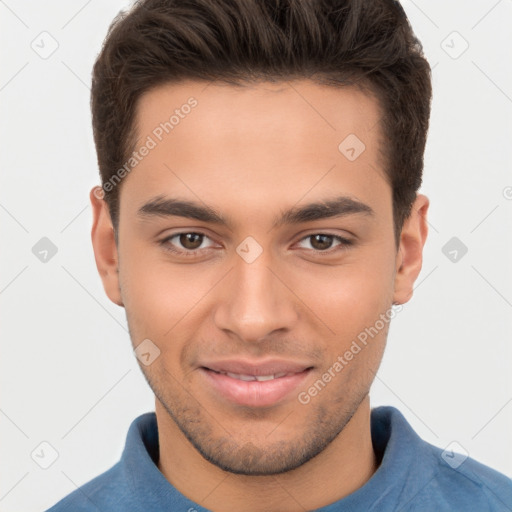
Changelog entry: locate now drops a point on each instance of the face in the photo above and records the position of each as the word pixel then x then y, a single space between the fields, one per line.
pixel 254 252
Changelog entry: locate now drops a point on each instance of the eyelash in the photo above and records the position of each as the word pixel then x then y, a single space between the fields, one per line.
pixel 344 244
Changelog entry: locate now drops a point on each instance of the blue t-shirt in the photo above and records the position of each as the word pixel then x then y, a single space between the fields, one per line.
pixel 413 476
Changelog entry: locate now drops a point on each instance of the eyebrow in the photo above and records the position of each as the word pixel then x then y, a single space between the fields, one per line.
pixel 340 206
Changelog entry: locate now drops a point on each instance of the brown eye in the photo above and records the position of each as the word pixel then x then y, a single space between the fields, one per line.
pixel 187 243
pixel 321 242
pixel 191 241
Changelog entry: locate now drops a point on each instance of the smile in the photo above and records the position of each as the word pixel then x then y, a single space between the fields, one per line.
pixel 254 384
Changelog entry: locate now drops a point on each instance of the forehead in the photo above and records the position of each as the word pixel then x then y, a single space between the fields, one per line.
pixel 281 113
pixel 225 142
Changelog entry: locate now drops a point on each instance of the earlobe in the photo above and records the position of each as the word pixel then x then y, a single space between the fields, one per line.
pixel 410 254
pixel 104 245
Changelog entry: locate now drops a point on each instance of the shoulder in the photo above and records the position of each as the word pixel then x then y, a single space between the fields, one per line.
pixel 459 482
pixel 431 478
pixel 104 492
pixel 120 487
pixel 464 482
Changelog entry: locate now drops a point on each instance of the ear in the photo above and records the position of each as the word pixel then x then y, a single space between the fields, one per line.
pixel 104 245
pixel 410 253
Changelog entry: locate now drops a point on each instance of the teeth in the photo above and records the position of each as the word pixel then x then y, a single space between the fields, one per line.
pixel 240 376
pixel 259 378
pixel 265 377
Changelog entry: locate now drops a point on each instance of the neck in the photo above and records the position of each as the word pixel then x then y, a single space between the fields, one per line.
pixel 342 468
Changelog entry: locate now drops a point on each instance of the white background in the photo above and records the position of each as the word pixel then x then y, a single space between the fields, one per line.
pixel 68 375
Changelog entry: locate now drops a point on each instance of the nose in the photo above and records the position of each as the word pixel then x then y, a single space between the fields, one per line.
pixel 256 301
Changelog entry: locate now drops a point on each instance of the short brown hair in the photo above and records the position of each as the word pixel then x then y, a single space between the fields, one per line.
pixel 332 42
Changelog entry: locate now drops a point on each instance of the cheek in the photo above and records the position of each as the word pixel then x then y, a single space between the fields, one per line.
pixel 159 296
pixel 350 296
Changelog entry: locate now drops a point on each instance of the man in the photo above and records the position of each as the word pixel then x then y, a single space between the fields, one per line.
pixel 258 218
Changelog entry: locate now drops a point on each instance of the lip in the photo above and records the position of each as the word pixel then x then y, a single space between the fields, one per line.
pixel 255 393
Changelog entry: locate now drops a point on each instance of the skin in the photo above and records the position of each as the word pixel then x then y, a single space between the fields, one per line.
pixel 251 152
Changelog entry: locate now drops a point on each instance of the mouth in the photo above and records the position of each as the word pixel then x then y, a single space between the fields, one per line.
pixel 252 384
